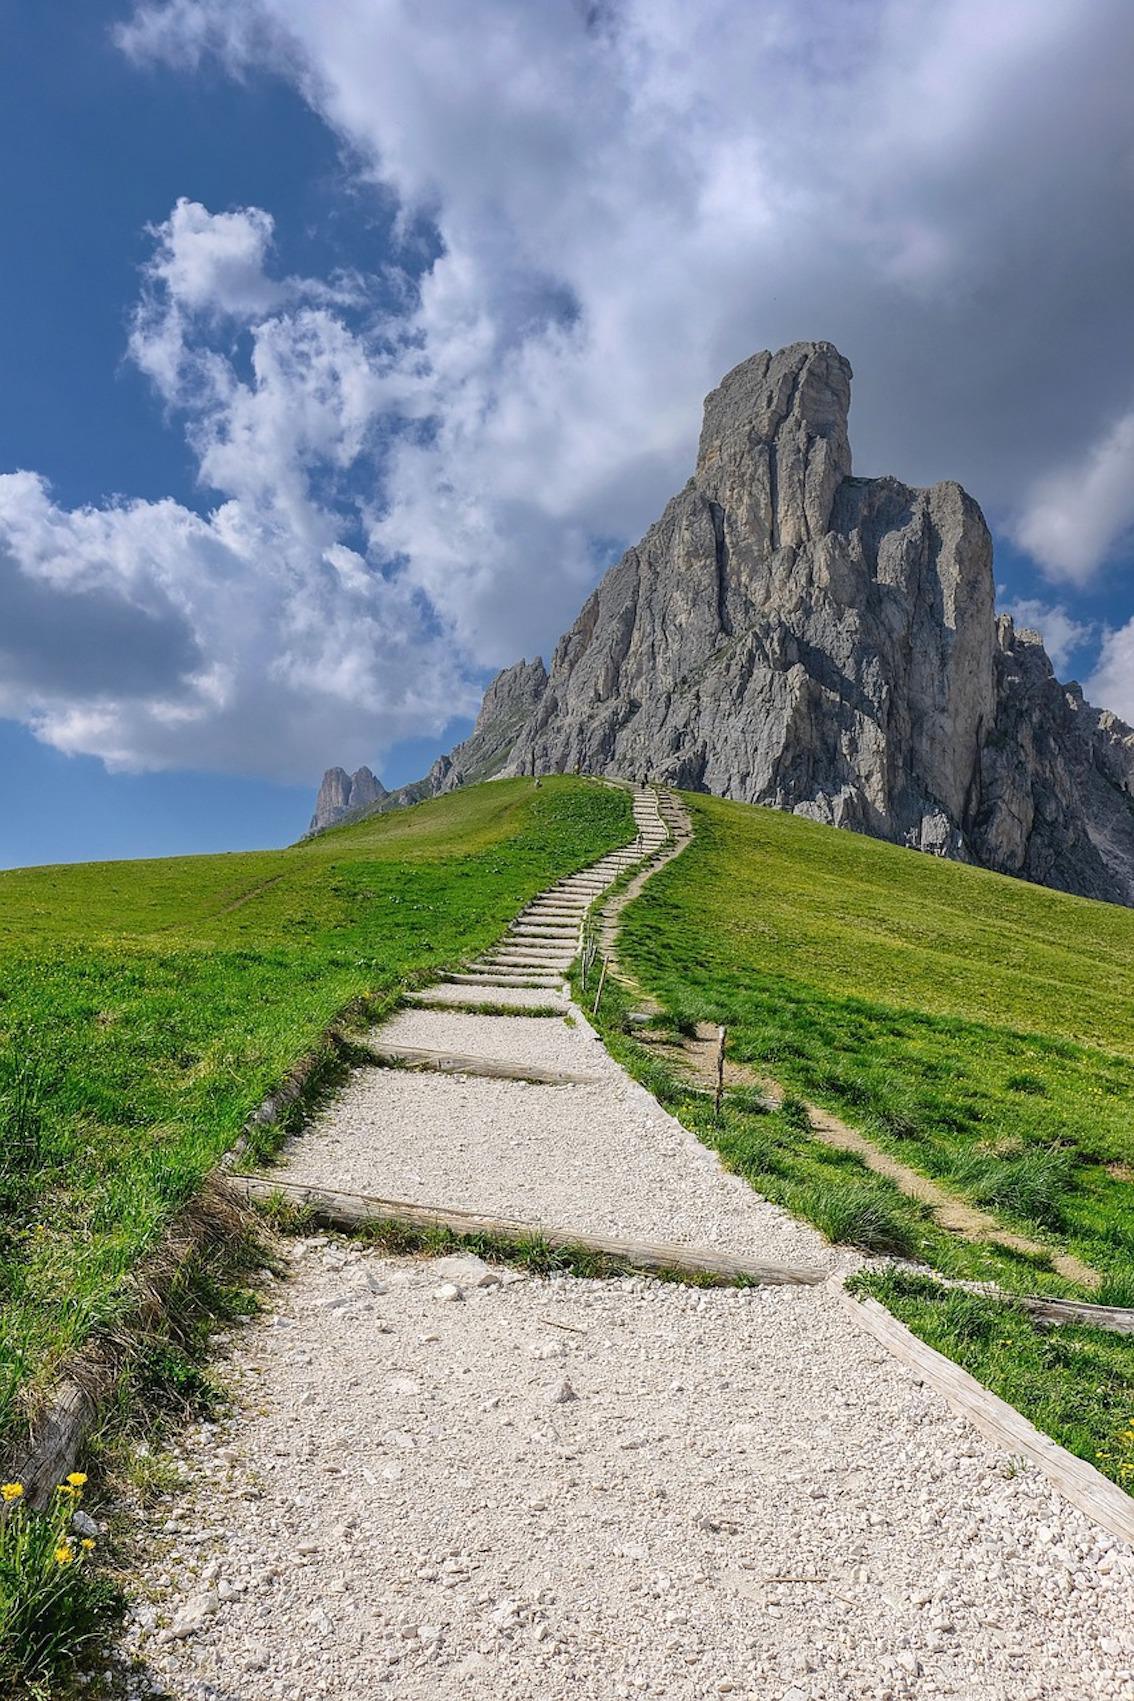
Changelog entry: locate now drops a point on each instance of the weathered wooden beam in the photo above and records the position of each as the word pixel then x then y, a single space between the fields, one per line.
pixel 355 1210
pixel 456 1063
pixel 1075 1479
pixel 1118 1318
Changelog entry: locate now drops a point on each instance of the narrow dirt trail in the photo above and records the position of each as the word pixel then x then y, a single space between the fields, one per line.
pixel 448 1480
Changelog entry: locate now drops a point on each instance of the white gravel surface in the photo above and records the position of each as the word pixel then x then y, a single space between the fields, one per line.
pixel 441 1483
pixel 604 1158
pixel 743 1496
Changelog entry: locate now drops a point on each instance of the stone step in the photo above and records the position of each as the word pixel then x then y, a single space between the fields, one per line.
pixel 540 1001
pixel 558 966
pixel 420 1058
pixel 550 983
pixel 546 950
pixel 542 930
pixel 531 954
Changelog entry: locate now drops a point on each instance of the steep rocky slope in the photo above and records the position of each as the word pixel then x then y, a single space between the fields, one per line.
pixel 791 635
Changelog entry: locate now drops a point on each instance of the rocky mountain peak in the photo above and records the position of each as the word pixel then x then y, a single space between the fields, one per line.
pixel 517 687
pixel 343 797
pixel 774 442
pixel 788 634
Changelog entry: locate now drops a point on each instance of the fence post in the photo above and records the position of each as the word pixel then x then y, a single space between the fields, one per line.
pixel 721 1033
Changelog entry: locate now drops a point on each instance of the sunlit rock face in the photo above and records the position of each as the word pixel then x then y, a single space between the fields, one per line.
pixel 788 634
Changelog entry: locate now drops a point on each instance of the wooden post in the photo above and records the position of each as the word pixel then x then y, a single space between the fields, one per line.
pixel 721 1033
pixel 601 984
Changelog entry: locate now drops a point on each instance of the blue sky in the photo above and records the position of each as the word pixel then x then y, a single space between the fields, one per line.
pixel 343 347
pixel 97 151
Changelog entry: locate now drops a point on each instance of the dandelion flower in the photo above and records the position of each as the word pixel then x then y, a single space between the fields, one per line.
pixel 10 1491
pixel 77 1479
pixel 87 1544
pixel 64 1554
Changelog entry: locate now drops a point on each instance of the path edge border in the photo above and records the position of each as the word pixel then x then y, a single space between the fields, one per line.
pixel 1096 1496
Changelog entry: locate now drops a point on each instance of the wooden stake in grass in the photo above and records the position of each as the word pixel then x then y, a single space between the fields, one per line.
pixel 601 984
pixel 721 1036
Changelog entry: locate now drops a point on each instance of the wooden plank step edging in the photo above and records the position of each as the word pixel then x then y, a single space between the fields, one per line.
pixel 355 1210
pixel 421 1058
pixel 1077 1481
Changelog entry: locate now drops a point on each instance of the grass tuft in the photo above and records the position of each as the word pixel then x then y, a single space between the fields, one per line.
pixel 1075 1383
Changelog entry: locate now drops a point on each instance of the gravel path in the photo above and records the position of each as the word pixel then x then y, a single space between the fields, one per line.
pixel 444 1481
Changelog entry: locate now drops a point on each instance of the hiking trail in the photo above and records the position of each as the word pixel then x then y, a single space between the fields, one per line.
pixel 445 1478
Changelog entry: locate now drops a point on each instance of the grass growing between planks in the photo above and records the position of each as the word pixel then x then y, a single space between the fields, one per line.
pixel 146 1008
pixel 1074 1383
pixel 979 1028
pixel 527 1251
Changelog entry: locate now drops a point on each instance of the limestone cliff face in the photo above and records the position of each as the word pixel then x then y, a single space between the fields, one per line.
pixel 789 634
pixel 508 705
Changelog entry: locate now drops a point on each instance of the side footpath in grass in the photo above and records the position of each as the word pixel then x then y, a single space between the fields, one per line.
pixel 978 1028
pixel 146 1009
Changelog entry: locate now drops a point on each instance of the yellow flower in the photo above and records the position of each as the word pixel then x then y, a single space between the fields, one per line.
pixel 11 1490
pixel 77 1479
pixel 87 1544
pixel 64 1554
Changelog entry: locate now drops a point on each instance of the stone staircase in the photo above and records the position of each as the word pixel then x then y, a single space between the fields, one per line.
pixel 542 943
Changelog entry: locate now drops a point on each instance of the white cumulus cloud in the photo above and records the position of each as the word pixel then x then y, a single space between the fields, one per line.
pixel 625 199
pixel 1112 682
pixel 1081 512
pixel 254 638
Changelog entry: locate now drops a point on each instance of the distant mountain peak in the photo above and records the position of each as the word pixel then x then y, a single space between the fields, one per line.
pixel 343 797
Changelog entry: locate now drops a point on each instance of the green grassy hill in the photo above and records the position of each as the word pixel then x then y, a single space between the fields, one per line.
pixel 147 1007
pixel 977 1028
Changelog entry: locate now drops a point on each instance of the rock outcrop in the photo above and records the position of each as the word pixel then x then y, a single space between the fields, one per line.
pixel 507 707
pixel 791 635
pixel 345 797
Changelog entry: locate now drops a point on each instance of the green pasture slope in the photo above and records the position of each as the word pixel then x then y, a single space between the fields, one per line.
pixel 147 1007
pixel 979 1028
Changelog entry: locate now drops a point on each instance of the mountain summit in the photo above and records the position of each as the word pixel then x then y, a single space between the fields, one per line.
pixel 791 635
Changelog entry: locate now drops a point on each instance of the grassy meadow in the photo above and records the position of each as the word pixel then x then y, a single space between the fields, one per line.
pixel 979 1029
pixel 147 1007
